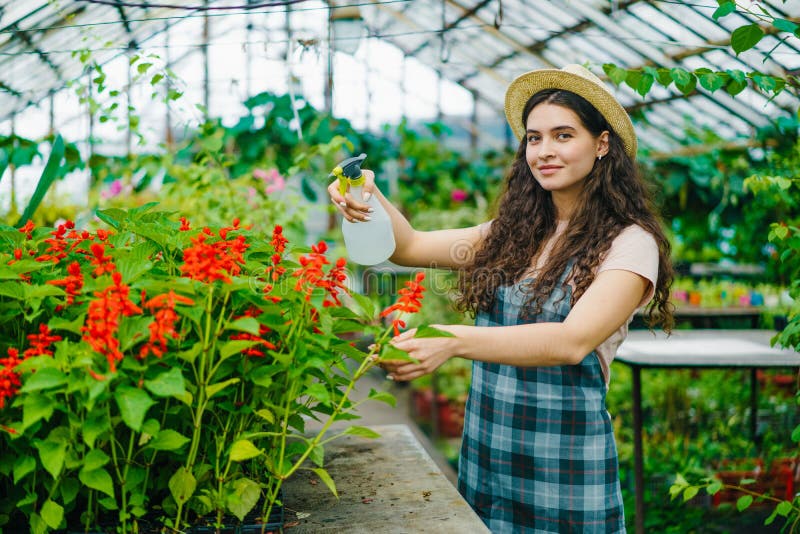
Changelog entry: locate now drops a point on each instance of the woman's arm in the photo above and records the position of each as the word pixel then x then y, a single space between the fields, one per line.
pixel 441 248
pixel 607 304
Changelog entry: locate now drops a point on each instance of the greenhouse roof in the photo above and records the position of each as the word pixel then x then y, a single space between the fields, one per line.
pixel 479 45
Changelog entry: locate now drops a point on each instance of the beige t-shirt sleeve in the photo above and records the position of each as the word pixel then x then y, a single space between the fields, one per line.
pixel 634 250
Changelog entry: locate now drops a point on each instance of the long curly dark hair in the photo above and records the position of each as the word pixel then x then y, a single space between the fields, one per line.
pixel 614 197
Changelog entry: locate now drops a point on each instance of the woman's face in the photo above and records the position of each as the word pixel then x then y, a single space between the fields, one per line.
pixel 560 150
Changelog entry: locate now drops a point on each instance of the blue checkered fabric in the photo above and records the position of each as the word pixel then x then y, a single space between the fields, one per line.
pixel 538 452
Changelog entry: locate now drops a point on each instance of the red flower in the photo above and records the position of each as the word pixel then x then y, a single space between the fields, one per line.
pixel 27 229
pixel 409 301
pixel 334 283
pixel 103 264
pixel 102 319
pixel 41 342
pixel 9 379
pixel 163 307
pixel 184 225
pixel 310 274
pixel 208 262
pixel 278 241
pixel 73 283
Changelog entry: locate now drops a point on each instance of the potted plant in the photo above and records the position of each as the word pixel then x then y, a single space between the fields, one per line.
pixel 157 375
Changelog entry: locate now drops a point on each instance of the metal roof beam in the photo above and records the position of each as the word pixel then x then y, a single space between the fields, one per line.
pixel 465 15
pixel 127 25
pixel 25 38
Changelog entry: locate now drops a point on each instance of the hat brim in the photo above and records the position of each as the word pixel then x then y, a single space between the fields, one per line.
pixel 525 86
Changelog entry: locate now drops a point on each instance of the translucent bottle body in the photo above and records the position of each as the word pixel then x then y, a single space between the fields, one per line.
pixel 369 242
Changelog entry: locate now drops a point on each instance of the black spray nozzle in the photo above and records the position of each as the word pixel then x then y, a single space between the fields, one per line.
pixel 351 167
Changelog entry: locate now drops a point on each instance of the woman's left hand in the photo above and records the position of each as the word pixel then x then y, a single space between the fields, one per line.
pixel 430 352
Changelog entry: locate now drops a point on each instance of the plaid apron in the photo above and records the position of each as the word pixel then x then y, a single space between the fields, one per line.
pixel 538 452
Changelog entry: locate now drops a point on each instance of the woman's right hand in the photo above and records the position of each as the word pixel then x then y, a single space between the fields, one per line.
pixel 353 210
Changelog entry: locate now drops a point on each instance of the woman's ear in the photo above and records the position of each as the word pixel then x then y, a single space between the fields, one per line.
pixel 602 144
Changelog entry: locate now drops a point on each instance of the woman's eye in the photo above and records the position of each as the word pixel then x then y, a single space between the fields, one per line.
pixel 533 138
pixel 564 136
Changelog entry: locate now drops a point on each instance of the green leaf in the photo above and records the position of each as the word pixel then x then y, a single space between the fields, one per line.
pixel 213 389
pixel 744 502
pixel 133 404
pixel 38 526
pixel 429 331
pixel 23 465
pixel 182 485
pixel 785 25
pixel 93 427
pixel 714 487
pixel 235 347
pixel 383 396
pixel 142 67
pixel 46 378
pixel 317 455
pixel 784 508
pixel 390 352
pixel 796 434
pixel 97 479
pixel 690 492
pixel 361 431
pixel 365 303
pixel 52 513
pixel 168 384
pixel 190 355
pixel 74 326
pixel 685 81
pixel 51 172
pixel 664 76
pixel 243 450
pixel 245 496
pixel 725 8
pixel 36 407
pixel 52 455
pixel 319 392
pixel 326 478
pixel 168 440
pixel 266 415
pixel 711 81
pixel 616 74
pixel 95 460
pixel 746 37
pixel 245 324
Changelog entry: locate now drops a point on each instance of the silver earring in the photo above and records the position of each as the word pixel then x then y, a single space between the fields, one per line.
pixel 599 158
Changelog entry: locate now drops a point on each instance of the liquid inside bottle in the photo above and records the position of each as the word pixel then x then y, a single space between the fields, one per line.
pixel 369 242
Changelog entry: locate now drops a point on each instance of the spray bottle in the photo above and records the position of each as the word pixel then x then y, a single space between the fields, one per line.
pixel 368 242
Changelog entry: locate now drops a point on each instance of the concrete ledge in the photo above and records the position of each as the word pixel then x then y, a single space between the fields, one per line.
pixel 389 484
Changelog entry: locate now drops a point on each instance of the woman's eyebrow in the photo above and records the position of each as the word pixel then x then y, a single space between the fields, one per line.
pixel 565 127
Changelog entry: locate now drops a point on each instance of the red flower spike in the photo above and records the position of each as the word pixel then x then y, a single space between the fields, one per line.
pixel 185 227
pixel 208 262
pixel 27 229
pixel 278 241
pixel 163 308
pixel 9 379
pixel 408 302
pixel 73 283
pixel 41 342
pixel 103 264
pixel 103 316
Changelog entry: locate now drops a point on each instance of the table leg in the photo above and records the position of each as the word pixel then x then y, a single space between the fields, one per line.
pixel 753 405
pixel 638 462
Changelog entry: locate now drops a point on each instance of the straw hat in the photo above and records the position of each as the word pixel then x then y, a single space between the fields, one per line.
pixel 578 80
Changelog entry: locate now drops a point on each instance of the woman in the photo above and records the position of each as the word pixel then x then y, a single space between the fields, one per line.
pixel 574 250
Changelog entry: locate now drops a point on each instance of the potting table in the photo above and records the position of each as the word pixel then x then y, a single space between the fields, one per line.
pixel 695 349
pixel 388 485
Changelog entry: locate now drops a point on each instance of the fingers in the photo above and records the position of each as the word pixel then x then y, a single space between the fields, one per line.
pixel 369 183
pixel 351 208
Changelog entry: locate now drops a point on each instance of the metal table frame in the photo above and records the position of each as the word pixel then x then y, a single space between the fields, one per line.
pixel 694 349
